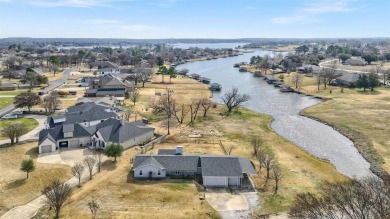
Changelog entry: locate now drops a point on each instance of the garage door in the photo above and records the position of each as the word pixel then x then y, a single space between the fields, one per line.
pixel 63 144
pixel 74 143
pixel 46 148
pixel 234 181
pixel 214 181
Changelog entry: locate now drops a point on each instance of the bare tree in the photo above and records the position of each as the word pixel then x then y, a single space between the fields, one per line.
pixel 354 199
pixel 94 207
pixel 256 143
pixel 57 194
pixel 90 163
pixel 268 162
pixel 180 113
pixel 206 104
pixel 127 111
pixel 166 104
pixel 14 131
pixel 296 78
pixel 230 149
pixel 134 96
pixel 233 99
pixel 277 175
pixel 77 171
pixel 99 156
pixel 145 75
pixel 50 102
pixel 329 73
pixel 194 108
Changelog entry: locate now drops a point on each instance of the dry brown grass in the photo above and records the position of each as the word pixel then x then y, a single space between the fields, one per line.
pixel 51 77
pixel 120 196
pixel 15 189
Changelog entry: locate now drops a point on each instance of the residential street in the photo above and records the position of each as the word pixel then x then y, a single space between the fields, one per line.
pixel 52 85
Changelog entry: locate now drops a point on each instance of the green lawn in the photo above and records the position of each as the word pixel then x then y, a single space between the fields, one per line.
pixel 6 101
pixel 29 122
pixel 10 93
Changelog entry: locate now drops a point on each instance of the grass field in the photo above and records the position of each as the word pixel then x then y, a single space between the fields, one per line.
pixel 10 93
pixel 29 122
pixel 6 101
pixel 15 189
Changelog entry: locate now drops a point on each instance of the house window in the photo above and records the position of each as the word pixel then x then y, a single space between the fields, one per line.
pixel 140 172
pixel 159 172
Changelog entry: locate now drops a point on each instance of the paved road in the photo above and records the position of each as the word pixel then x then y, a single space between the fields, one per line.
pixel 52 85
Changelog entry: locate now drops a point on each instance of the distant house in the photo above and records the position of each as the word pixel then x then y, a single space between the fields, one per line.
pixel 101 64
pixel 309 69
pixel 84 81
pixel 348 80
pixel 110 81
pixel 119 93
pixel 105 71
pixel 355 62
pixel 91 125
pixel 194 76
pixel 204 80
pixel 7 86
pixel 103 101
pixel 215 87
pixel 214 170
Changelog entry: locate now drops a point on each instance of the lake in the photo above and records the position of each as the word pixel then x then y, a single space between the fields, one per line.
pixel 317 138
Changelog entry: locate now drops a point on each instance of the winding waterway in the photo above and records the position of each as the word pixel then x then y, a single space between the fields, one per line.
pixel 317 138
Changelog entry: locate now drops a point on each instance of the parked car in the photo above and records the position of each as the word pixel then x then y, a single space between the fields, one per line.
pixel 40 93
pixel 17 112
pixel 10 116
pixel 58 107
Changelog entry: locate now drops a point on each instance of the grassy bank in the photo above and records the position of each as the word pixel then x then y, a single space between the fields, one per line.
pixel 6 101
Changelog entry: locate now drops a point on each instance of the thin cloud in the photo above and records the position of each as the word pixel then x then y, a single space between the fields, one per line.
pixel 310 11
pixel 102 21
pixel 328 8
pixel 75 3
pixel 295 19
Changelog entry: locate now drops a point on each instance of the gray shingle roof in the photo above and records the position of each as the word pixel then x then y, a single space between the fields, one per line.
pixel 68 127
pixel 151 161
pixel 246 166
pixel 349 77
pixel 220 166
pixel 170 162
pixel 57 133
pixel 113 130
pixel 166 152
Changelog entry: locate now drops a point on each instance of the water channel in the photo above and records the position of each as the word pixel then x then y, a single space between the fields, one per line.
pixel 317 138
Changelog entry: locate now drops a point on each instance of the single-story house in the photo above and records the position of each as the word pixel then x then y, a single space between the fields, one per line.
pixel 103 101
pixel 105 71
pixel 7 86
pixel 102 64
pixel 309 69
pixel 119 93
pixel 355 62
pixel 348 79
pixel 214 170
pixel 110 81
pixel 194 76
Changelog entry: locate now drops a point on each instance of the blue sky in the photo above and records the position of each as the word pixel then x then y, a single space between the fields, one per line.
pixel 150 19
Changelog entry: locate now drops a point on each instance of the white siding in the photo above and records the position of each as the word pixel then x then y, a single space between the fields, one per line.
pixel 215 181
pixel 138 140
pixel 47 142
pixel 234 181
pixel 147 169
pixel 74 143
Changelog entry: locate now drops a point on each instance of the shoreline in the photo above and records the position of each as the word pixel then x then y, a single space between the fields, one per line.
pixel 367 153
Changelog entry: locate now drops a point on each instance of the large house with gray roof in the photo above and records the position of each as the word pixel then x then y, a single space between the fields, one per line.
pixel 213 170
pixel 91 125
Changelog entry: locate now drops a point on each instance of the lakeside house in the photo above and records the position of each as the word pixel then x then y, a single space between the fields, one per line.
pixel 204 80
pixel 91 125
pixel 212 170
pixel 347 80
pixel 355 62
pixel 270 79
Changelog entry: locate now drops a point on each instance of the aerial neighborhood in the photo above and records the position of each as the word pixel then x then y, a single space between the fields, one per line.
pixel 208 127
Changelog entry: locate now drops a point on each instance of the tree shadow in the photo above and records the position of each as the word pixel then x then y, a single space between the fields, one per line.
pixel 16 183
pixel 368 92
pixel 32 152
pixel 109 165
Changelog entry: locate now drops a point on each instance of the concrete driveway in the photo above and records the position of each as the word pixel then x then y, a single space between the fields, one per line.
pixel 68 156
pixel 232 205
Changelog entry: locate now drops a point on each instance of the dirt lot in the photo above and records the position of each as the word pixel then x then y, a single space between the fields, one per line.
pixel 15 189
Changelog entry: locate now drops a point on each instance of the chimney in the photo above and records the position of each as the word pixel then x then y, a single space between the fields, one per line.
pixel 179 150
pixel 122 121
